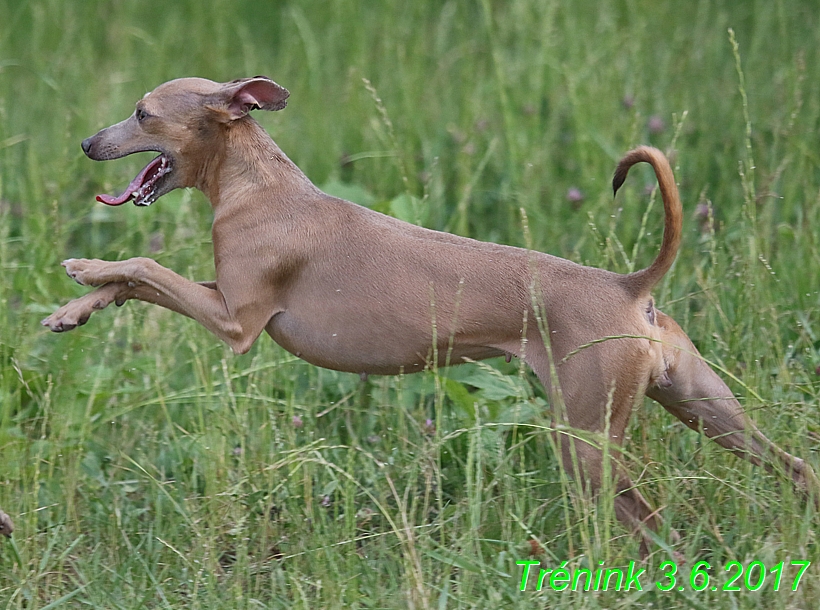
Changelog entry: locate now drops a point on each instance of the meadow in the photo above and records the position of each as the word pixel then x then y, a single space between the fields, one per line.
pixel 146 466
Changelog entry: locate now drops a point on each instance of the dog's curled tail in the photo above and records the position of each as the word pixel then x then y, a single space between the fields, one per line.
pixel 642 282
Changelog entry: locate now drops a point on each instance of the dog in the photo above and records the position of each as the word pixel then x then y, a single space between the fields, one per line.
pixel 347 288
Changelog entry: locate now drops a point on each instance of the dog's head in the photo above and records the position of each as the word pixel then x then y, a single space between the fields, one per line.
pixel 182 120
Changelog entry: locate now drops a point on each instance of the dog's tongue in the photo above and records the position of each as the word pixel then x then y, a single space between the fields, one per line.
pixel 132 189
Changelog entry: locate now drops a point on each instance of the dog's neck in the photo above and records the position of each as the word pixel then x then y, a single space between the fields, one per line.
pixel 248 159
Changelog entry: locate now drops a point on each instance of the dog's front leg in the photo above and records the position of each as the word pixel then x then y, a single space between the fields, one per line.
pixel 146 280
pixel 77 312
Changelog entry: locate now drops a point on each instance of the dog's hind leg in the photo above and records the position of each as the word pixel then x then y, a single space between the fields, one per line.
pixel 696 395
pixel 589 426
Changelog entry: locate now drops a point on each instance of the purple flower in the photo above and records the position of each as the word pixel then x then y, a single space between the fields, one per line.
pixel 655 124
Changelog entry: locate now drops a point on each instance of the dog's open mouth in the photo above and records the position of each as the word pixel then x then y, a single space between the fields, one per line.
pixel 143 188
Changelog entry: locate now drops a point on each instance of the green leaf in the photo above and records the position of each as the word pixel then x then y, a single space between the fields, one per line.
pixel 351 192
pixel 459 395
pixel 496 387
pixel 408 208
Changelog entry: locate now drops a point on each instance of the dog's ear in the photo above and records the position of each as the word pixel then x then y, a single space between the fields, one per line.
pixel 237 98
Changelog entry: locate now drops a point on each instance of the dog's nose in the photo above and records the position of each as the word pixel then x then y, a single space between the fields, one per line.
pixel 86 145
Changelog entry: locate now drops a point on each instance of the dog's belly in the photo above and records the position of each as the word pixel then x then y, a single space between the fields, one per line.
pixel 370 348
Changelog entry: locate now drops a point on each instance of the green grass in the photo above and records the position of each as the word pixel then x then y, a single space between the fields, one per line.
pixel 146 466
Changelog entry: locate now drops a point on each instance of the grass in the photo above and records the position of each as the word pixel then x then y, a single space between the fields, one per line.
pixel 146 466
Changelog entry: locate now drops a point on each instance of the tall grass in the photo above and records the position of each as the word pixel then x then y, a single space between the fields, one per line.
pixel 146 466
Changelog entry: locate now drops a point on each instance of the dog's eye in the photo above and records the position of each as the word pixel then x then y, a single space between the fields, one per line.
pixel 141 114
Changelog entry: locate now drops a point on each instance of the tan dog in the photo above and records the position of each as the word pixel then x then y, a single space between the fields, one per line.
pixel 350 289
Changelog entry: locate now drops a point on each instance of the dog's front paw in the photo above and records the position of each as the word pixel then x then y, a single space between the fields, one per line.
pixel 71 315
pixel 76 313
pixel 86 272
